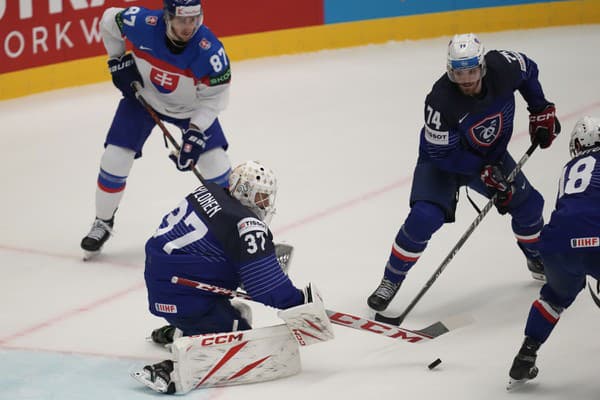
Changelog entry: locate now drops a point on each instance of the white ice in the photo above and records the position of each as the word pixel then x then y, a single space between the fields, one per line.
pixel 340 128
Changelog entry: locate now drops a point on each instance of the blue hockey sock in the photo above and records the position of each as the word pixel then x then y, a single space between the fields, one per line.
pixel 542 319
pixel 423 220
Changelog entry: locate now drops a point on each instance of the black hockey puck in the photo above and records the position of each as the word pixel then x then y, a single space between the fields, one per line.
pixel 435 363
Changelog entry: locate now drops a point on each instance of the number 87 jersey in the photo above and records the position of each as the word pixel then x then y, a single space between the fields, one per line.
pixel 575 222
pixel 189 82
pixel 211 237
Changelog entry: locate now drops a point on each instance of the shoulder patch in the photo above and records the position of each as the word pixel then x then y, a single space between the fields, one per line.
pixel 251 224
pixel 205 44
pixel 151 20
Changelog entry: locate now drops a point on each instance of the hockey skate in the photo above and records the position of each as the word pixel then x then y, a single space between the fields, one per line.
pixel 536 266
pixel 166 335
pixel 523 368
pixel 92 243
pixel 157 377
pixel 383 295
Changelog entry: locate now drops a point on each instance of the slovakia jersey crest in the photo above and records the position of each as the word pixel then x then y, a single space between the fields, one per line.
pixel 487 131
pixel 164 81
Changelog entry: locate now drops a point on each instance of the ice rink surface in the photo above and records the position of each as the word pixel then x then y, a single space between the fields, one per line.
pixel 340 128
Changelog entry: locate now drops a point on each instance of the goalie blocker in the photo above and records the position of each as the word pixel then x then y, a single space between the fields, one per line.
pixel 238 357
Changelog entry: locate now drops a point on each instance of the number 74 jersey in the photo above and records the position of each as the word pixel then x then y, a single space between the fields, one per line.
pixel 575 222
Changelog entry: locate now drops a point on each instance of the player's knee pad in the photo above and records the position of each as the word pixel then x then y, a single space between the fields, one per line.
pixel 214 165
pixel 423 221
pixel 242 357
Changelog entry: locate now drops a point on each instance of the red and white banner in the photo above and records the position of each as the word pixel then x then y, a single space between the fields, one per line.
pixel 34 33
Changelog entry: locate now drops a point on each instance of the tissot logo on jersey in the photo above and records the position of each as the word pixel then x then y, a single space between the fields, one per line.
pixel 164 81
pixel 585 242
pixel 486 132
pixel 250 224
pixel 436 137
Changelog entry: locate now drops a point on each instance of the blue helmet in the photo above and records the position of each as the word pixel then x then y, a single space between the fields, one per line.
pixel 183 8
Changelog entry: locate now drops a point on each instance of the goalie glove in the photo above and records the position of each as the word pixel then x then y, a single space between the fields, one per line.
pixel 308 322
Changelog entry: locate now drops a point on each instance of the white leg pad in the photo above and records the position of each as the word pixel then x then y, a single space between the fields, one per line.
pixel 234 358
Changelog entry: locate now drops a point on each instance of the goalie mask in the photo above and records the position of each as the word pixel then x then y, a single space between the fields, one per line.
pixel 255 186
pixel 585 135
pixel 465 54
pixel 183 19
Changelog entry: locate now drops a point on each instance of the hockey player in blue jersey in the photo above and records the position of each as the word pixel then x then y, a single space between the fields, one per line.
pixel 185 75
pixel 221 237
pixel 570 245
pixel 469 117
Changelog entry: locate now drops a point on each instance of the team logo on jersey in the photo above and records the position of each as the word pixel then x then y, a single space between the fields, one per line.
pixel 205 44
pixel 163 81
pixel 577 243
pixel 166 308
pixel 486 132
pixel 151 20
pixel 250 224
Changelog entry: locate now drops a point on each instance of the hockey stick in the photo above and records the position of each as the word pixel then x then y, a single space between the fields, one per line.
pixel 398 320
pixel 352 321
pixel 138 87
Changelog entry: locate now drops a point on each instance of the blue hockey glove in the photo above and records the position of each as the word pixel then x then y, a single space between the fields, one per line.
pixel 124 72
pixel 494 179
pixel 193 144
pixel 544 125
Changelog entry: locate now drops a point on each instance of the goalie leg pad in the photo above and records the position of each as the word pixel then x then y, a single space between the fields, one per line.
pixel 234 358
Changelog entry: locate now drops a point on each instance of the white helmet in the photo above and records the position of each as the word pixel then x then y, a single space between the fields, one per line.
pixel 465 51
pixel 585 135
pixel 255 186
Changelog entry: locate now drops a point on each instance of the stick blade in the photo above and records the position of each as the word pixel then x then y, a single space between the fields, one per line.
pixel 448 324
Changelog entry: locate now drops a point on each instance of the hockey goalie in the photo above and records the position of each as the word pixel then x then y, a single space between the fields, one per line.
pixel 238 357
pixel 221 236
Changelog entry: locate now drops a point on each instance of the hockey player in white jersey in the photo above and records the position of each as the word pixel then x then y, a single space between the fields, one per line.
pixel 185 75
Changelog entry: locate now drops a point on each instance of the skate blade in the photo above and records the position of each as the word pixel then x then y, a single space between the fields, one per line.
pixel 88 255
pixel 538 277
pixel 144 378
pixel 515 383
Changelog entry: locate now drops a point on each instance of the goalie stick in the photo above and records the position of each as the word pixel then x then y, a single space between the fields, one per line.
pixel 352 321
pixel 398 319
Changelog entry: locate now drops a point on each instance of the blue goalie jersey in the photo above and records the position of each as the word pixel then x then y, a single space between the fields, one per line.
pixel 575 222
pixel 461 133
pixel 211 237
